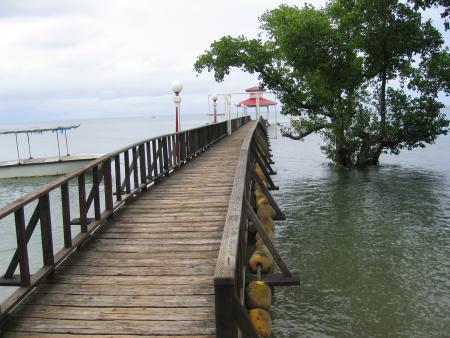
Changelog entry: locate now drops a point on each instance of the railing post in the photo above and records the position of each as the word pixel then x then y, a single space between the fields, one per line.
pixel 148 150
pixel 126 157
pixel 65 203
pixel 135 167
pixel 109 204
pixel 118 177
pixel 160 156
pixel 142 164
pixel 165 155
pixel 155 158
pixel 226 326
pixel 46 230
pixel 96 191
pixel 25 278
pixel 82 202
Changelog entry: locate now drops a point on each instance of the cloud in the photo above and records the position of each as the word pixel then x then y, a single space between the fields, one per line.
pixel 46 8
pixel 63 59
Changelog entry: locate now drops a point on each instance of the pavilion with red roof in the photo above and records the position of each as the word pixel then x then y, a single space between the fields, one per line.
pixel 254 92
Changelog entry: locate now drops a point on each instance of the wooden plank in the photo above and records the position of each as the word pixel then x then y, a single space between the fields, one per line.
pixel 125 290
pixel 147 249
pixel 62 335
pixel 44 325
pixel 119 301
pixel 135 280
pixel 138 271
pixel 113 313
pixel 160 235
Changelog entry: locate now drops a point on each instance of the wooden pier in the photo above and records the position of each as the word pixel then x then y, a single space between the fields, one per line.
pixel 162 243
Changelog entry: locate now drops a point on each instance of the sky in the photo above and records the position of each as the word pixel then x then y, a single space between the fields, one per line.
pixel 68 60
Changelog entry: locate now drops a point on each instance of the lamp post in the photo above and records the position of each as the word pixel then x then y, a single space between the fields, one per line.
pixel 214 98
pixel 177 87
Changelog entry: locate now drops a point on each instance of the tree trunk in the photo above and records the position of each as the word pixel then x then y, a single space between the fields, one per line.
pixel 368 155
pixel 343 156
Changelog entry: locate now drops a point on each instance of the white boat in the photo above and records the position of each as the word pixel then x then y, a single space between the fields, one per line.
pixel 45 166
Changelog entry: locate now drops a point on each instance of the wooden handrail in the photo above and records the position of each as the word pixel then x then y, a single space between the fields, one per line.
pixel 230 274
pixel 151 159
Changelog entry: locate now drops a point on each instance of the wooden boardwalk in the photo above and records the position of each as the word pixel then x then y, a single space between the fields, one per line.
pixel 150 270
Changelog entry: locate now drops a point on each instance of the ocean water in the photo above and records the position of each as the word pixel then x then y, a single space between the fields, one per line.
pixel 372 246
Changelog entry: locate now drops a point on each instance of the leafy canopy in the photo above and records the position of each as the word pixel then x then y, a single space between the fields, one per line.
pixel 364 74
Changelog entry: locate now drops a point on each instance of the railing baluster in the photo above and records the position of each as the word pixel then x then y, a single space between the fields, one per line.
pixel 109 202
pixel 118 178
pixel 165 155
pixel 142 163
pixel 170 152
pixel 127 172
pixel 82 202
pixel 135 167
pixel 174 150
pixel 182 146
pixel 160 156
pixel 149 161
pixel 65 203
pixel 155 158
pixel 25 278
pixel 96 191
pixel 46 230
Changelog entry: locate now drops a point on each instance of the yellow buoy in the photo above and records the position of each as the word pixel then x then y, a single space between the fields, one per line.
pixel 269 233
pixel 268 224
pixel 265 211
pixel 262 257
pixel 261 201
pixel 260 173
pixel 259 295
pixel 258 192
pixel 262 322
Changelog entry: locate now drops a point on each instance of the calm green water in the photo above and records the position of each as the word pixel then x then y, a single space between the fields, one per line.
pixel 372 246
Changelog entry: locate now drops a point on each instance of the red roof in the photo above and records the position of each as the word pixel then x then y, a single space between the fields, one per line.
pixel 251 102
pixel 255 89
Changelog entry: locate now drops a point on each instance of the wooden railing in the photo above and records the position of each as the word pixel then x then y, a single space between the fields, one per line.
pixel 115 178
pixel 230 276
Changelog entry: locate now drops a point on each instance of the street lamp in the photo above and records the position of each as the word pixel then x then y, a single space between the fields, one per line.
pixel 177 87
pixel 214 98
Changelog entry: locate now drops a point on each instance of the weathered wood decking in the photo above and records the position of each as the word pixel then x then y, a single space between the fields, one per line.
pixel 149 271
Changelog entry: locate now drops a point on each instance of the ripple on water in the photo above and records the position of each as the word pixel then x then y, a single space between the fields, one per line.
pixel 372 247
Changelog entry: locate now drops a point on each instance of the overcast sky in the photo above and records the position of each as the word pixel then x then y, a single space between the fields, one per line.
pixel 99 58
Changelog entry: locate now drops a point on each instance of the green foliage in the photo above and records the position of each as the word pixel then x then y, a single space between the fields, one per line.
pixel 364 74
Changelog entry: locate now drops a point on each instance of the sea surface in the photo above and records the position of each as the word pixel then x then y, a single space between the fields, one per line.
pixel 372 246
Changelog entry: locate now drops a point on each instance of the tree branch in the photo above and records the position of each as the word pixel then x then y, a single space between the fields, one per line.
pixel 290 135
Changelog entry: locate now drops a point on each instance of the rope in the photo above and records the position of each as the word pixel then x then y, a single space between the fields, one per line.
pixel 258 272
